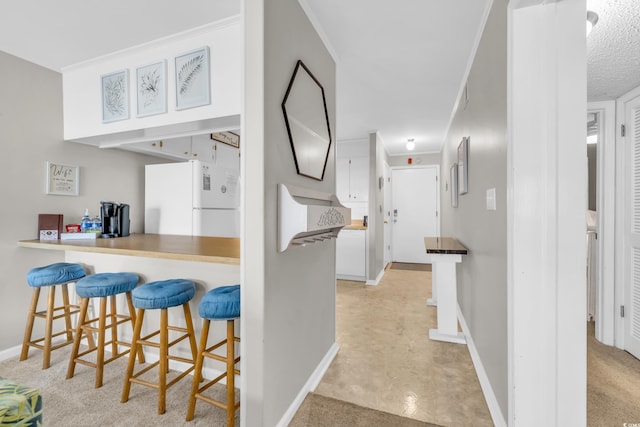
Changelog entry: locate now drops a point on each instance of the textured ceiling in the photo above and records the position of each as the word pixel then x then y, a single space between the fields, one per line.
pixel 613 49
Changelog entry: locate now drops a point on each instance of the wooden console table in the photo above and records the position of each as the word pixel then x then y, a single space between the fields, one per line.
pixel 444 253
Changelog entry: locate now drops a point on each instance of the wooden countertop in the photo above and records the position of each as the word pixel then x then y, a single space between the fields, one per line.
pixel 444 245
pixel 355 225
pixel 219 250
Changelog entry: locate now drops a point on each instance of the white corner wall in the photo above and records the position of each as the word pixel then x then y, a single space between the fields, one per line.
pixel 82 82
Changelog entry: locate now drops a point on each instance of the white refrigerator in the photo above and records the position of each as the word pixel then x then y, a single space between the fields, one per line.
pixel 192 198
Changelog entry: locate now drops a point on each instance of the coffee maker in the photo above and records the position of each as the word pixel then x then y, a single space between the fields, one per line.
pixel 115 219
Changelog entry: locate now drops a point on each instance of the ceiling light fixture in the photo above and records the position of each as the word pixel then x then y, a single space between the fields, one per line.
pixel 410 144
pixel 592 20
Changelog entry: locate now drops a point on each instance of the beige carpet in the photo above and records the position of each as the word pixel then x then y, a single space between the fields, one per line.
pixel 613 385
pixel 321 411
pixel 75 402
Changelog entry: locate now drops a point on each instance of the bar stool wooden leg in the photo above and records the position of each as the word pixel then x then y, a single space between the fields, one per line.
pixel 164 360
pixel 67 312
pixel 197 375
pixel 190 331
pixel 102 322
pixel 84 306
pixel 46 359
pixel 31 317
pixel 132 360
pixel 132 314
pixel 231 391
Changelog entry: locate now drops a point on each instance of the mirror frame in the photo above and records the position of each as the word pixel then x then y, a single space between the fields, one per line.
pixel 286 119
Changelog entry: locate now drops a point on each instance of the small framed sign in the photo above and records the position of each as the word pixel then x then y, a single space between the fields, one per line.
pixel 228 138
pixel 62 179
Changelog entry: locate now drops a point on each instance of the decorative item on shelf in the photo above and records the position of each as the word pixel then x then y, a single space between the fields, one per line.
pixel 228 138
pixel 307 120
pixel 62 180
pixel 463 165
pixel 453 176
pixel 49 226
pixel 151 87
pixel 192 79
pixel 115 96
pixel 308 216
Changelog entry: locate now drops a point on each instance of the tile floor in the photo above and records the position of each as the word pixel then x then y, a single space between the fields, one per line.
pixel 387 362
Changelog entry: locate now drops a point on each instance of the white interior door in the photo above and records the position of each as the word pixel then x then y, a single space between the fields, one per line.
pixel 632 226
pixel 386 212
pixel 415 202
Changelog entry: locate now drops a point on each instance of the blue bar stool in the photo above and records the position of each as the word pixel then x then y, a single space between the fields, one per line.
pixel 103 286
pixel 161 295
pixel 61 273
pixel 221 303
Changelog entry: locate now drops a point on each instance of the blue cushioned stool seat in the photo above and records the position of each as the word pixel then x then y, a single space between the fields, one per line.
pixel 106 284
pixel 163 294
pixel 55 274
pixel 221 303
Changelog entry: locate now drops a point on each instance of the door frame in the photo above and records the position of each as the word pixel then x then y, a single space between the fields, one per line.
pixel 438 210
pixel 605 316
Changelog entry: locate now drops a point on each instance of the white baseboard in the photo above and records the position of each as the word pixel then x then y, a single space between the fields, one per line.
pixel 310 385
pixel 487 390
pixel 377 279
pixel 10 352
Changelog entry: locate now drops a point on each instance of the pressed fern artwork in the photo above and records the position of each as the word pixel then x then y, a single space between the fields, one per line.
pixel 151 82
pixel 115 96
pixel 189 72
pixel 192 79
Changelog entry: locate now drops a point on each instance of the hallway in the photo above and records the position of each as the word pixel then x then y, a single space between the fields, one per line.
pixel 387 362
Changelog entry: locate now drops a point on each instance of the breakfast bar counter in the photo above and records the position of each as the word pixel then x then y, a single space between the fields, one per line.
pixel 209 262
pixel 218 250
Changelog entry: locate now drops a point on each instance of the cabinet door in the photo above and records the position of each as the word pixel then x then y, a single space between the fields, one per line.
pixel 178 147
pixel 351 254
pixel 359 179
pixel 342 179
pixel 202 148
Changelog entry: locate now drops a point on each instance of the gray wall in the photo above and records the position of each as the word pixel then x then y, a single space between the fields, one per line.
pixel 293 328
pixel 31 134
pixel 482 276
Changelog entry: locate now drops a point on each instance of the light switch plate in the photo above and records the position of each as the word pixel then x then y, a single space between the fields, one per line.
pixel 491 199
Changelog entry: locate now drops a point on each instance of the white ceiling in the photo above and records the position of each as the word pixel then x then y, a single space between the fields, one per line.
pixel 400 64
pixel 613 49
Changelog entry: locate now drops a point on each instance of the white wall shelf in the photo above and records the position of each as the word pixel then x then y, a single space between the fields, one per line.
pixel 308 216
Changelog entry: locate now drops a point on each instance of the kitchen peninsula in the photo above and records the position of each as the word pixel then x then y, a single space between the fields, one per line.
pixel 208 261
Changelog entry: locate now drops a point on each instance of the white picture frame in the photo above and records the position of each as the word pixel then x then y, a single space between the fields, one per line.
pixel 62 180
pixel 115 96
pixel 192 78
pixel 453 179
pixel 151 89
pixel 463 165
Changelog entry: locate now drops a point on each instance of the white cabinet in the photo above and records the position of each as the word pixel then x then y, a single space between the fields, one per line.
pixel 351 249
pixel 352 177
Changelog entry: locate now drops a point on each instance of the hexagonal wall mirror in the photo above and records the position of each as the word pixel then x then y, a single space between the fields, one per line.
pixel 307 120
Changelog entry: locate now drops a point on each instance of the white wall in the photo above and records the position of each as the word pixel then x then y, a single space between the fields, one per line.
pixel 288 305
pixel 375 241
pixel 31 134
pixel 82 84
